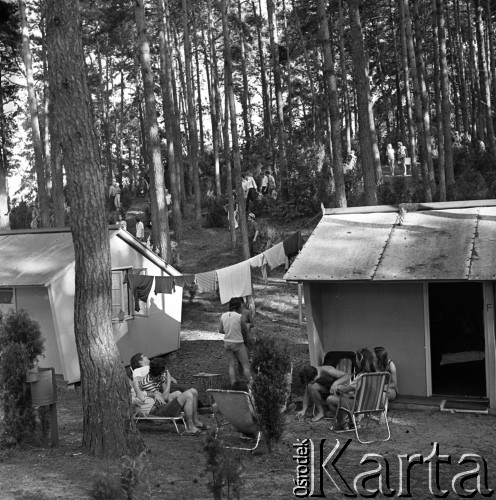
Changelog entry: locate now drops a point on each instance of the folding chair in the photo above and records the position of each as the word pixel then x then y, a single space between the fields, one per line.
pixel 370 398
pixel 140 416
pixel 237 409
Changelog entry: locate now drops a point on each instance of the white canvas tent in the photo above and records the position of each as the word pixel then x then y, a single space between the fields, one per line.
pixel 37 274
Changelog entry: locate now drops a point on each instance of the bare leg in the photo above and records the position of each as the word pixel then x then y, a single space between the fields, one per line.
pixel 196 418
pixel 242 356
pixel 232 365
pixel 186 400
pixel 317 399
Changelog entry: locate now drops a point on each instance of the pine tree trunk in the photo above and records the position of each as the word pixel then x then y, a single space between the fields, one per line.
pixel 408 95
pixel 461 65
pixel 214 99
pixel 4 166
pixel 308 70
pixel 334 114
pixel 39 160
pixel 276 70
pixel 438 104
pixel 244 77
pixel 477 129
pixel 446 107
pixel 243 223
pixel 193 133
pixel 178 152
pixel 484 81
pixel 368 149
pixel 198 88
pixel 344 82
pixel 267 114
pixel 168 106
pixel 103 104
pixel 397 78
pixel 229 179
pixel 108 427
pixel 424 97
pixel 158 206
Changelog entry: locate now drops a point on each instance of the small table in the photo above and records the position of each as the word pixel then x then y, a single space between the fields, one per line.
pixel 208 382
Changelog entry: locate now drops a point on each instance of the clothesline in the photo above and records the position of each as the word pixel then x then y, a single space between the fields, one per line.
pixel 230 281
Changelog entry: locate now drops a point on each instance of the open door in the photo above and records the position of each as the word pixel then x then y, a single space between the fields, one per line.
pixel 456 316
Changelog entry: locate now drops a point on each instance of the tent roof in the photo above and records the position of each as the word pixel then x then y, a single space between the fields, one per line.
pixel 35 257
pixel 435 241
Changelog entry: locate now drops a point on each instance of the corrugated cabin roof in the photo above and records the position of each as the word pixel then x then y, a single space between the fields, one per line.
pixel 435 241
pixel 34 257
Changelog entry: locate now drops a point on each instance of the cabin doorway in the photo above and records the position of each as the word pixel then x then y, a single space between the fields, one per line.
pixel 456 317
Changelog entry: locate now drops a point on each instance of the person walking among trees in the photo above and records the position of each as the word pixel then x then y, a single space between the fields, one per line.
pixel 402 157
pixel 233 326
pixel 252 233
pixel 390 157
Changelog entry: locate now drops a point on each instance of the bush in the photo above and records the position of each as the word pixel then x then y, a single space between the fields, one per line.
pixel 21 344
pixel 20 216
pixel 225 466
pixel 270 366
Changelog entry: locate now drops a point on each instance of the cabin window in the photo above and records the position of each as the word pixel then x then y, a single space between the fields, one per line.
pixel 122 299
pixel 7 300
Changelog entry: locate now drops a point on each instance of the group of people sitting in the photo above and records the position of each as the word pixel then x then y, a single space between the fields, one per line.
pixel 326 384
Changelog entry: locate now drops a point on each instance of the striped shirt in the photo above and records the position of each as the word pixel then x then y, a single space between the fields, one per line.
pixel 149 385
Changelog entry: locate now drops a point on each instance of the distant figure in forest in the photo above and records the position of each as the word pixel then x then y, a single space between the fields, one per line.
pixel 140 229
pixel 401 157
pixel 117 198
pixel 272 182
pixel 265 184
pixel 390 157
pixel 252 233
pixel 112 193
pixel 121 222
pixel 35 215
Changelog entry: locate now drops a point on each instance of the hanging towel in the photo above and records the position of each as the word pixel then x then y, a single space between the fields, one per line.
pixel 140 286
pixel 164 284
pixel 234 281
pixel 275 256
pixel 292 245
pixel 185 279
pixel 205 282
pixel 257 261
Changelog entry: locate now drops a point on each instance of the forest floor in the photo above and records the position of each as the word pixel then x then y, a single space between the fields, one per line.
pixel 175 466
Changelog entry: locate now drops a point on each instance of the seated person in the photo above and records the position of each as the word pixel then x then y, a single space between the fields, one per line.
pixel 320 382
pixel 384 364
pixel 366 364
pixel 156 385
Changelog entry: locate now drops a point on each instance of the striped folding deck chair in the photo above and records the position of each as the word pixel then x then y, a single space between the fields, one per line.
pixel 370 398
pixel 237 409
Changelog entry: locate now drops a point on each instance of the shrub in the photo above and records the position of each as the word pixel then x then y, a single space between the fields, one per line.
pixel 20 216
pixel 225 466
pixel 21 344
pixel 270 365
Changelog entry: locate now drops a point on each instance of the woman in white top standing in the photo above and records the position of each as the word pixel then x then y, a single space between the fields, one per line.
pixel 233 326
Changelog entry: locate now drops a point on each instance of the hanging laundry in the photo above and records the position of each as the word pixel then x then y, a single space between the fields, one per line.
pixel 257 261
pixel 234 281
pixel 293 244
pixel 185 279
pixel 164 284
pixel 275 256
pixel 140 286
pixel 205 282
